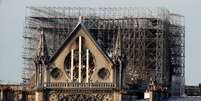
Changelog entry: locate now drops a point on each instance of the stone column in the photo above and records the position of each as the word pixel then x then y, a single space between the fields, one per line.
pixel 38 96
pixel 1 97
pixel 120 73
pixel 117 96
pixel 71 69
pixel 45 77
pixel 87 65
pixel 80 55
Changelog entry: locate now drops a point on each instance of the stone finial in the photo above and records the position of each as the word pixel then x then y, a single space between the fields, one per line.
pixel 81 18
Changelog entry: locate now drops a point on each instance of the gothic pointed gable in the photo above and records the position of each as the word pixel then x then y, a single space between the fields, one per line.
pixel 97 57
pixel 79 27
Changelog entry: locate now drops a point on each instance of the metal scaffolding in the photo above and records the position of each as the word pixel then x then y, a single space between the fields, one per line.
pixel 152 39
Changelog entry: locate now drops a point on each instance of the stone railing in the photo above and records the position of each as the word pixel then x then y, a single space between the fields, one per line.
pixel 80 85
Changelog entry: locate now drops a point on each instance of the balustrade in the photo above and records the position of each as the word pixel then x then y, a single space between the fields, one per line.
pixel 80 85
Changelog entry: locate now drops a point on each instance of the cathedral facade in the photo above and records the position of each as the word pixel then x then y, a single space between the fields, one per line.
pixel 78 71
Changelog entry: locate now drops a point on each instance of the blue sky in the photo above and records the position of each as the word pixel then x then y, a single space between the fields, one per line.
pixel 12 14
